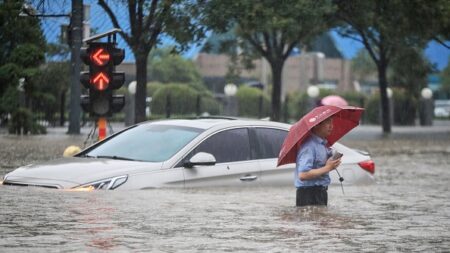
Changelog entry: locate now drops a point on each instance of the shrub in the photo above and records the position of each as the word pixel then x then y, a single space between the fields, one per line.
pixel 354 98
pixel 372 112
pixel 22 123
pixel 183 100
pixel 210 105
pixel 299 105
pixel 249 102
pixel 405 107
pixel 152 87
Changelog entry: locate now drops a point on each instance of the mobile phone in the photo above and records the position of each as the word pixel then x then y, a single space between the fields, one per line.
pixel 336 155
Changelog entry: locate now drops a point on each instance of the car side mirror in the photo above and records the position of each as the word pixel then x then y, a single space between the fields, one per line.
pixel 200 159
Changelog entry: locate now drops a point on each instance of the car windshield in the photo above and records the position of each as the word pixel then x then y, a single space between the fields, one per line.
pixel 150 143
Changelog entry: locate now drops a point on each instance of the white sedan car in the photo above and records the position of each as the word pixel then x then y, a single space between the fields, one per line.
pixel 183 153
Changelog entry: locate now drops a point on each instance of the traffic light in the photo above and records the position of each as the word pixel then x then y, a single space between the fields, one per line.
pixel 102 79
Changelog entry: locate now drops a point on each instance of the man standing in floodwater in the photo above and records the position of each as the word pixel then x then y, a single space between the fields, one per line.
pixel 313 165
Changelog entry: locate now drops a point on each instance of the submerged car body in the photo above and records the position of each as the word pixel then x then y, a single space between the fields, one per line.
pixel 184 153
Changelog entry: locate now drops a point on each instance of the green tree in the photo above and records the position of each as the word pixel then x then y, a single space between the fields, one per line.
pixel 168 67
pixel 54 84
pixel 148 20
pixel 386 26
pixel 22 48
pixel 363 65
pixel 252 102
pixel 413 76
pixel 445 76
pixel 270 29
pixel 16 30
pixel 182 100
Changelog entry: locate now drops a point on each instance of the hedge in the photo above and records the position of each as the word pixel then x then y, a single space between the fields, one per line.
pixel 405 108
pixel 22 123
pixel 249 102
pixel 182 100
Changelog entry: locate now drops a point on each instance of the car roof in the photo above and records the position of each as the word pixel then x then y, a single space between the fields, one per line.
pixel 207 123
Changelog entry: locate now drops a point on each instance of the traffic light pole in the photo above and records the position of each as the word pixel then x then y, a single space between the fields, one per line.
pixel 102 79
pixel 101 123
pixel 75 89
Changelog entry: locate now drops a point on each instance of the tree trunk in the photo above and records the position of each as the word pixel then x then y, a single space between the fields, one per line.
pixel 75 87
pixel 141 87
pixel 277 68
pixel 62 107
pixel 385 107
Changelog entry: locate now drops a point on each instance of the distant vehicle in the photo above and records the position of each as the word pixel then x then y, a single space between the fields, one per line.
pixel 183 153
pixel 442 108
pixel 441 112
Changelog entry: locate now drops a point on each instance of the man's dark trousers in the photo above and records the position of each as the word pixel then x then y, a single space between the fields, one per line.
pixel 312 195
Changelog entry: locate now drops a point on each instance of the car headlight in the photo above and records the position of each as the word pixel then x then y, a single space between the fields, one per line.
pixel 2 180
pixel 105 184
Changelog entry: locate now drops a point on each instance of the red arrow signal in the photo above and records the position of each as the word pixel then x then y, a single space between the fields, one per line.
pixel 100 57
pixel 100 81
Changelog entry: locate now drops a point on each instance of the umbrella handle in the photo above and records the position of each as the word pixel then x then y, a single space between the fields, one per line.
pixel 341 179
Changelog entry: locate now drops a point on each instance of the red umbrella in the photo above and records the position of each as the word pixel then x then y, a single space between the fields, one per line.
pixel 333 100
pixel 345 118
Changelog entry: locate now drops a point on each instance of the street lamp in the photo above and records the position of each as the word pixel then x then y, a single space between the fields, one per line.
pixel 313 92
pixel 389 92
pixel 231 106
pixel 132 88
pixel 230 89
pixel 426 93
pixel 426 109
pixel 130 108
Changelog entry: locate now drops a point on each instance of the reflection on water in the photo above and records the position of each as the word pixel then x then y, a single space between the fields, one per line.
pixel 407 210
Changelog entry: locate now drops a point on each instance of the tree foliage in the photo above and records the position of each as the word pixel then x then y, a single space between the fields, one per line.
pixel 363 66
pixel 409 71
pixel 17 30
pixel 166 67
pixel 386 27
pixel 22 48
pixel 271 29
pixel 182 99
pixel 252 102
pixel 148 20
pixel 445 76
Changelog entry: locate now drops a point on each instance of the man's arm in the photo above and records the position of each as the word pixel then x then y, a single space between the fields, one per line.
pixel 312 174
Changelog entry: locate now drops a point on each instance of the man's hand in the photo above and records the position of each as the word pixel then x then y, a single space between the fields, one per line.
pixel 332 164
pixel 315 173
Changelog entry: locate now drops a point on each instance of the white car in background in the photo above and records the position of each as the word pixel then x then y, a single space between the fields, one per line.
pixel 441 112
pixel 184 153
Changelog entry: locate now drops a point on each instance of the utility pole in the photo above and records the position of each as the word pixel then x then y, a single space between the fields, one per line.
pixel 76 28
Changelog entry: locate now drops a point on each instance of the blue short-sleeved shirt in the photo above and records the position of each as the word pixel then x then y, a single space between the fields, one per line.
pixel 313 154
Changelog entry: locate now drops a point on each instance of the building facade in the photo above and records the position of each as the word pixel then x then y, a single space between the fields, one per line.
pixel 298 73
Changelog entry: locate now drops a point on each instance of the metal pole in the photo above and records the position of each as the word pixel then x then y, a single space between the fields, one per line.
pixel 76 21
pixel 101 123
pixel 168 106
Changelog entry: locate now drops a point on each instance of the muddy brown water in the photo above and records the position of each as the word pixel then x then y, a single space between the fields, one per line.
pixel 407 209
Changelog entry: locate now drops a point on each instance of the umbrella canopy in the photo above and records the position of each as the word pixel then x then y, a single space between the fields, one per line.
pixel 345 118
pixel 333 100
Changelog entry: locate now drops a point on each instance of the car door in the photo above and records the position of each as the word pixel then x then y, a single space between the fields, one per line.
pixel 234 165
pixel 267 143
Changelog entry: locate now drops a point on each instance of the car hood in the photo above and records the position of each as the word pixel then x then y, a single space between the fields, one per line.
pixel 73 171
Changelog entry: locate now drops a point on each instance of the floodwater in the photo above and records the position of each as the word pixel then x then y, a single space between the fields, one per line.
pixel 407 209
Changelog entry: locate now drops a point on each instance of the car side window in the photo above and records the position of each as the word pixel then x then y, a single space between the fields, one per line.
pixel 227 146
pixel 269 142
